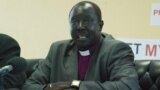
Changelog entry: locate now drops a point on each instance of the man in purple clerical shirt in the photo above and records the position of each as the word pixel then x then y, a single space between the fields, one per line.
pixel 91 60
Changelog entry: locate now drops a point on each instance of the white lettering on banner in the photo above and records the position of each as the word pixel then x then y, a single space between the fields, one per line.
pixel 144 49
pixel 155 14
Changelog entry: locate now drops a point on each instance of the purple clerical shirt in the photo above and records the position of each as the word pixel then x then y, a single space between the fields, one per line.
pixel 83 62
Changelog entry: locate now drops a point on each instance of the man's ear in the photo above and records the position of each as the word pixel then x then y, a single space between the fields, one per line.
pixel 101 24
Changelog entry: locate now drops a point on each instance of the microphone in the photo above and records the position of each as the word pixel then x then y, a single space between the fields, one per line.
pixel 15 65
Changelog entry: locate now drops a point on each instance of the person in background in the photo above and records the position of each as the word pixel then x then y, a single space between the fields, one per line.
pixel 10 48
pixel 91 60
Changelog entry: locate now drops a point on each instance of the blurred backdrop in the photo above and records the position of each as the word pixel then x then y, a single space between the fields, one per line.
pixel 35 24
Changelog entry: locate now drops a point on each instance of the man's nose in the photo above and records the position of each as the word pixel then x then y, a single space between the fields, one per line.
pixel 80 25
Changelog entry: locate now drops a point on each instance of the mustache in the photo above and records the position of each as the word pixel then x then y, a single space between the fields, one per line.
pixel 82 31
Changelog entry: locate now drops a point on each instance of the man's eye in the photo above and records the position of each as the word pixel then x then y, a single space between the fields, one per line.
pixel 74 20
pixel 86 22
pixel 74 23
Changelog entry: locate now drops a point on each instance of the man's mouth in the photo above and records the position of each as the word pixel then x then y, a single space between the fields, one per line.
pixel 82 37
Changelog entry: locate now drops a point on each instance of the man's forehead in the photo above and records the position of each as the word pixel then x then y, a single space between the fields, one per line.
pixel 83 9
pixel 80 7
pixel 83 14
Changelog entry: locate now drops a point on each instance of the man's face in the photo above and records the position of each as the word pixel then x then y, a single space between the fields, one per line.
pixel 85 26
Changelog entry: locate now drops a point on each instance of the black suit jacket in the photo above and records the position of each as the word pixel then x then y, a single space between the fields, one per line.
pixel 111 67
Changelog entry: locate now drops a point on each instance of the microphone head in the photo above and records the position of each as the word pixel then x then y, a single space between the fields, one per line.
pixel 19 64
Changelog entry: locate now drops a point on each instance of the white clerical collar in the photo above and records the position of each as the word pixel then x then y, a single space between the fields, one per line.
pixel 84 53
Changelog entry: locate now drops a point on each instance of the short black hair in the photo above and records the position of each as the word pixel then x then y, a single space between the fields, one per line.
pixel 95 6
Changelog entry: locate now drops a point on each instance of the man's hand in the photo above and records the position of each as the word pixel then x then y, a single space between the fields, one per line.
pixel 74 85
pixel 59 86
pixel 71 89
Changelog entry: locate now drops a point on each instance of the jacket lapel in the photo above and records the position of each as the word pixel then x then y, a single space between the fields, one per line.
pixel 71 64
pixel 93 63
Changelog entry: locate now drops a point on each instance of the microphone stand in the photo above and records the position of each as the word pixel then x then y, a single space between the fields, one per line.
pixel 2 74
pixel 1 81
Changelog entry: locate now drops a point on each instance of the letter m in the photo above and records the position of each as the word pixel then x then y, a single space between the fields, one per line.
pixel 150 51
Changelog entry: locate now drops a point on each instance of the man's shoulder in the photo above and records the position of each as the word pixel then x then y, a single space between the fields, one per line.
pixel 114 43
pixel 109 39
pixel 62 43
pixel 107 36
pixel 114 46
